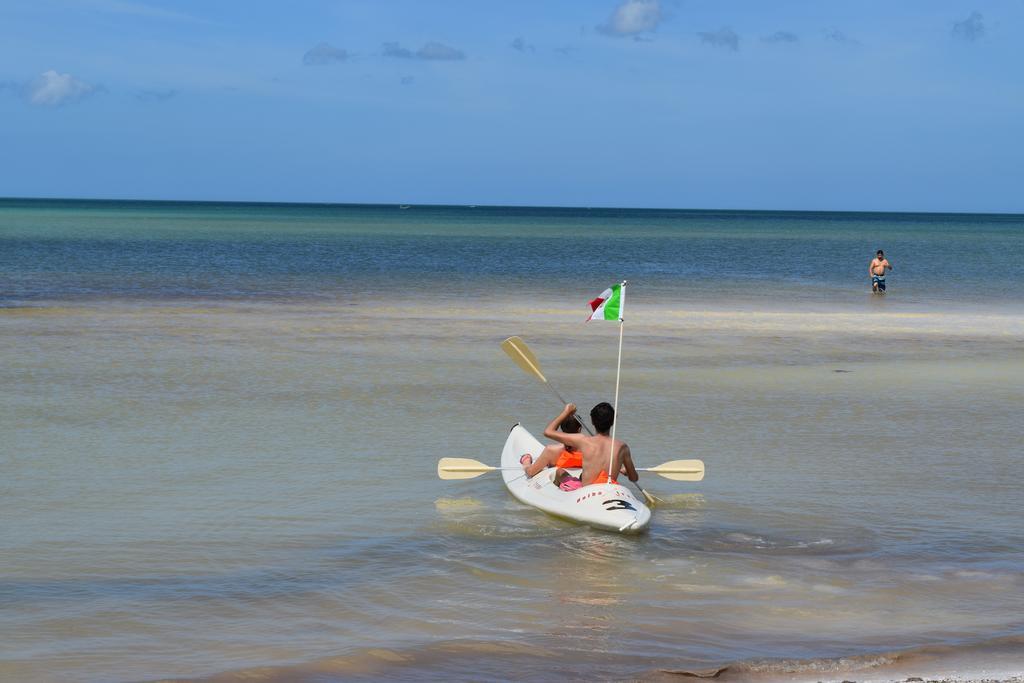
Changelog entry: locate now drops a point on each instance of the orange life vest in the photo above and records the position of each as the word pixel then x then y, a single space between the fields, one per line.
pixel 570 458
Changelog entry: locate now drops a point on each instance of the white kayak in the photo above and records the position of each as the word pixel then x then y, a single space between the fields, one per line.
pixel 605 506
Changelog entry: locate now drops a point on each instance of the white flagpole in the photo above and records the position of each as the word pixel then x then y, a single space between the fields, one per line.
pixel 618 374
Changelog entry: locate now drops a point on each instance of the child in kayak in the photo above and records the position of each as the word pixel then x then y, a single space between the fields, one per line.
pixel 595 449
pixel 557 455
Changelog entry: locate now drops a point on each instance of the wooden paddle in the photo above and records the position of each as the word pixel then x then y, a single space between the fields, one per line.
pixel 467 468
pixel 519 352
pixel 678 470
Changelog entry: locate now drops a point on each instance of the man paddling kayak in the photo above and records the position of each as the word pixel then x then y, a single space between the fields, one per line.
pixel 595 449
pixel 557 455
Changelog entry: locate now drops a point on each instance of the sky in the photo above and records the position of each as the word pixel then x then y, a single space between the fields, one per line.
pixel 915 105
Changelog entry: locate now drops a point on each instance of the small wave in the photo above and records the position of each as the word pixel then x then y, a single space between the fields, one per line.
pixel 813 544
pixel 740 538
pixel 990 660
pixel 681 501
pixel 996 659
pixel 456 504
pixel 975 574
pixel 737 541
pixel 489 527
pixel 465 660
pixel 773 581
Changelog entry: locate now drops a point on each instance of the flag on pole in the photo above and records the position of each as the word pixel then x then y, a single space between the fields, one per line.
pixel 608 306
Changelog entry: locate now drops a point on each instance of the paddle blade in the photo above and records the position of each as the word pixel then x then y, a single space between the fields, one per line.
pixel 651 499
pixel 679 470
pixel 518 351
pixel 461 468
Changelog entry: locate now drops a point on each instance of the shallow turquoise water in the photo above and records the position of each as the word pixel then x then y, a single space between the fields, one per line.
pixel 221 423
pixel 61 250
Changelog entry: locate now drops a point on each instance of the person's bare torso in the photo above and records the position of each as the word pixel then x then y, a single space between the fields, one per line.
pixel 595 458
pixel 878 266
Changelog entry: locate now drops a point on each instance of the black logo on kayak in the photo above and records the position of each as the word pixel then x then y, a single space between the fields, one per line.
pixel 618 504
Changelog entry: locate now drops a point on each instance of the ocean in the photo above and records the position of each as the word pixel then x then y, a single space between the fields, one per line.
pixel 221 423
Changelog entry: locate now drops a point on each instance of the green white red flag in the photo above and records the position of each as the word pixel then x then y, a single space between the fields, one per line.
pixel 608 306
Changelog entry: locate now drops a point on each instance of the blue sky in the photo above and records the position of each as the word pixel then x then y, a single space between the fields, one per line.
pixel 914 105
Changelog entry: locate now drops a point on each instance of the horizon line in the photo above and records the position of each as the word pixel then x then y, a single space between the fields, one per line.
pixel 497 206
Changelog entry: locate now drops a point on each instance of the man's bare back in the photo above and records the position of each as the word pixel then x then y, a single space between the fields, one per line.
pixel 595 449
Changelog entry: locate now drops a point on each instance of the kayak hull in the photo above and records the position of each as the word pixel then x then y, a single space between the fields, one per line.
pixel 603 506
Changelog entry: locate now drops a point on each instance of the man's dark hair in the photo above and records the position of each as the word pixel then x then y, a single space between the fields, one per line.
pixel 602 415
pixel 570 425
pixel 879 253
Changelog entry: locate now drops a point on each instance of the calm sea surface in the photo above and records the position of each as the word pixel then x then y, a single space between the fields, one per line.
pixel 220 423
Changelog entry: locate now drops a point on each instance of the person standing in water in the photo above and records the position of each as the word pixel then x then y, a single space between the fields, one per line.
pixel 876 271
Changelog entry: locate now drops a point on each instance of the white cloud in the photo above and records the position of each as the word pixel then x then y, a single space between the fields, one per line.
pixel 434 50
pixel 430 51
pixel 972 28
pixel 521 45
pixel 724 37
pixel 836 36
pixel 52 89
pixel 155 95
pixel 633 17
pixel 782 37
pixel 324 53
pixel 396 50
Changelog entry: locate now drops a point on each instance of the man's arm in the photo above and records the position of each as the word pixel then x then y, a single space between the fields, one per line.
pixel 887 264
pixel 871 268
pixel 627 464
pixel 573 441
